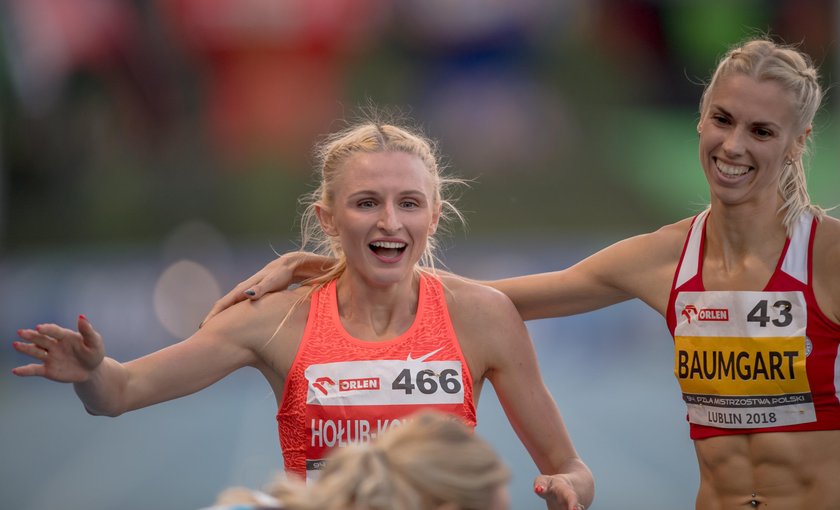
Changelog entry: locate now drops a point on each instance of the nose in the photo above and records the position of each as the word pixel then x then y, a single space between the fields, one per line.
pixel 733 144
pixel 389 220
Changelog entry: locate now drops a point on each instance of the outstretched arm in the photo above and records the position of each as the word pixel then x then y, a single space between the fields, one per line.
pixel 638 267
pixel 108 387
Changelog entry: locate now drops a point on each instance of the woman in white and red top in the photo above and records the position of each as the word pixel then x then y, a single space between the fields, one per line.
pixel 750 289
pixel 358 350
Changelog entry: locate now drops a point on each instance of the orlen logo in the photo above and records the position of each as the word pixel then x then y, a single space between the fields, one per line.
pixel 363 383
pixel 705 314
pixel 322 384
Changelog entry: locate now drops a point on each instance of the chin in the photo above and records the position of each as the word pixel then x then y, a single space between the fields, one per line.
pixel 392 276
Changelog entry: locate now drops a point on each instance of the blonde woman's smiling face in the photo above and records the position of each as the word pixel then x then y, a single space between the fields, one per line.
pixel 383 211
pixel 746 134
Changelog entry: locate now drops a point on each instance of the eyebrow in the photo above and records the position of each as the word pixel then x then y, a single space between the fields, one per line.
pixel 365 192
pixel 766 123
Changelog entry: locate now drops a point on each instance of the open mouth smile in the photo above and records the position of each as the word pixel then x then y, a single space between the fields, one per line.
pixel 389 251
pixel 732 170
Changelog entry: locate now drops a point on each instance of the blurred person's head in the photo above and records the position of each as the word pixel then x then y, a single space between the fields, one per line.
pixel 792 73
pixel 431 462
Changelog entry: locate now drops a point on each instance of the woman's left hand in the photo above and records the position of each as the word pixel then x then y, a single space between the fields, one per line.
pixel 558 492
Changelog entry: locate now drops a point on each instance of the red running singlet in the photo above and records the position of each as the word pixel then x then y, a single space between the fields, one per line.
pixel 342 390
pixel 755 361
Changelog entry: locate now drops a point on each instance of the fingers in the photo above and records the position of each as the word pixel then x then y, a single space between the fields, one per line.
pixel 32 350
pixel 241 292
pixel 55 331
pixel 226 301
pixel 38 349
pixel 65 355
pixel 558 493
pixel 90 337
pixel 30 370
pixel 38 337
pixel 41 340
pixel 256 291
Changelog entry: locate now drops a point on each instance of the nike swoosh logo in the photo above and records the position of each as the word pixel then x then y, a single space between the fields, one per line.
pixel 409 359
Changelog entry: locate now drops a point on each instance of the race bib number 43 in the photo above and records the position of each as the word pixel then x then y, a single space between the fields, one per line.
pixel 740 358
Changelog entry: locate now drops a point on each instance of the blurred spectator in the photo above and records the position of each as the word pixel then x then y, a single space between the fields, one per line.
pixel 275 72
pixel 480 84
pixel 49 41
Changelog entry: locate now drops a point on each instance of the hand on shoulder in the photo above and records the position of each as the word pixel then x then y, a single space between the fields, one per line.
pixel 253 322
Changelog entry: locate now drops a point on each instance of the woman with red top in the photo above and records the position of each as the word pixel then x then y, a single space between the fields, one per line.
pixel 356 351
pixel 750 290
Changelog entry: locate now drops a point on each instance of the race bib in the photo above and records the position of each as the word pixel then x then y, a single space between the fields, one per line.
pixel 740 358
pixel 356 401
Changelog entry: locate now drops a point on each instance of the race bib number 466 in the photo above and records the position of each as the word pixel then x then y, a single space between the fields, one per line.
pixel 356 401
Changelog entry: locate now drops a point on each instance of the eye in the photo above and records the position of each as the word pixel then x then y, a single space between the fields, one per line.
pixel 409 204
pixel 365 204
pixel 762 132
pixel 720 119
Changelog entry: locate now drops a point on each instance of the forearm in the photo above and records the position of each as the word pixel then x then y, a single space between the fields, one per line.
pixel 557 294
pixel 103 394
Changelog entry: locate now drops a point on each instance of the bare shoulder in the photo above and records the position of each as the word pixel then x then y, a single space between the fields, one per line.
pixel 667 241
pixel 471 300
pixel 826 260
pixel 827 248
pixel 827 240
pixel 253 322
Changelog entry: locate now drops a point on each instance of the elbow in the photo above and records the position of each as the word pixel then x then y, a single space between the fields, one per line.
pixel 110 413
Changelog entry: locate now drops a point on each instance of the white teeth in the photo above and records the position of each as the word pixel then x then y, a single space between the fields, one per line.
pixel 387 244
pixel 731 170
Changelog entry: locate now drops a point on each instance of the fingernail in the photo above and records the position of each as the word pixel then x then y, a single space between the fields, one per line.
pixel 250 292
pixel 539 489
pixel 38 328
pixel 82 316
pixel 15 344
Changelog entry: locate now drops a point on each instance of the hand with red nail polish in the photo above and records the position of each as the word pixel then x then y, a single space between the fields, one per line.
pixel 558 492
pixel 62 354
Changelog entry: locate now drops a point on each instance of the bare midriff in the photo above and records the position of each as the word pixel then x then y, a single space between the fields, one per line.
pixel 791 470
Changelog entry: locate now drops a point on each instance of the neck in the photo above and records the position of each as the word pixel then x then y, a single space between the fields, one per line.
pixel 742 249
pixel 377 313
pixel 746 227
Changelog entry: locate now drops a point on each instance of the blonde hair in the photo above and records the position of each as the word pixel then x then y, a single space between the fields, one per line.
pixel 371 135
pixel 430 460
pixel 765 60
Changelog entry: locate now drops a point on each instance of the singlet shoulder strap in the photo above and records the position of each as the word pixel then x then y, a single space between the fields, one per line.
pixel 690 262
pixel 796 259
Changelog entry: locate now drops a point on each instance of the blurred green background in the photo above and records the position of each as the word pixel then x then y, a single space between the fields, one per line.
pixel 120 120
pixel 152 153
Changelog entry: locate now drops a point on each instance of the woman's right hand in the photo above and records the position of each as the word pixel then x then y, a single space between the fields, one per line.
pixel 277 275
pixel 64 355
